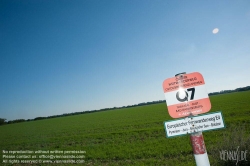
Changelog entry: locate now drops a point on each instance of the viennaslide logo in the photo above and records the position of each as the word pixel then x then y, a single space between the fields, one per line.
pixel 234 155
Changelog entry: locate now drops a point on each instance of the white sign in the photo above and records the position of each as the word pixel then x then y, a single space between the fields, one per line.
pixel 194 124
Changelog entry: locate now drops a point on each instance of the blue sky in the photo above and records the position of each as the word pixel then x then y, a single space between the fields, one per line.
pixel 62 56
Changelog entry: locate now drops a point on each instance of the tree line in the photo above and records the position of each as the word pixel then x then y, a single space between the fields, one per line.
pixel 4 121
pixel 230 91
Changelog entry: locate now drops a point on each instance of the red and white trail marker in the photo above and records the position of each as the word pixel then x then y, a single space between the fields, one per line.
pixel 186 94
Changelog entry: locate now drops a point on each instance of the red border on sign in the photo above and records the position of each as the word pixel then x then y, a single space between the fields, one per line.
pixel 189 80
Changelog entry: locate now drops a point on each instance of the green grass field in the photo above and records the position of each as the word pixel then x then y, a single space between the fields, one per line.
pixel 130 136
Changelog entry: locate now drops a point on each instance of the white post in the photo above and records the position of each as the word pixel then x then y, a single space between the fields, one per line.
pixel 197 140
pixel 199 149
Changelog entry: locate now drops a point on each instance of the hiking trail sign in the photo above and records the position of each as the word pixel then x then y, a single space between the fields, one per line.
pixel 186 94
pixel 193 124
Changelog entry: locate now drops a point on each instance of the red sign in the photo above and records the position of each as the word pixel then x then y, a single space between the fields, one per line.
pixel 186 94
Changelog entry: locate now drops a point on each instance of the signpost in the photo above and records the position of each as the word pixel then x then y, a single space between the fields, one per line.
pixel 186 94
pixel 186 97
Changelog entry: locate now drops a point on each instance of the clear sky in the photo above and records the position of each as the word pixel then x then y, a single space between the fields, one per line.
pixel 63 56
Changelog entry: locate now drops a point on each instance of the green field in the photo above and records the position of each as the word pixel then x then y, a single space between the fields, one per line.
pixel 129 136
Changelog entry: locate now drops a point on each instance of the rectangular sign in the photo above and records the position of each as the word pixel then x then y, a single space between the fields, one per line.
pixel 193 124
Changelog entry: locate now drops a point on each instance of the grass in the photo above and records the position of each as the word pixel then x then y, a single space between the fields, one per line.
pixel 236 139
pixel 129 136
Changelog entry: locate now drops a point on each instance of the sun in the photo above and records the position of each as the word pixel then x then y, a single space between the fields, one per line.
pixel 215 30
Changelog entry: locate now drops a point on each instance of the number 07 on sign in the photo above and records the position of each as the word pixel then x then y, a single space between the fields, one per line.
pixel 186 94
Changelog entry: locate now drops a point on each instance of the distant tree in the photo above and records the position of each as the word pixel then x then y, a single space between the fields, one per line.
pixel 2 121
pixel 40 118
pixel 16 121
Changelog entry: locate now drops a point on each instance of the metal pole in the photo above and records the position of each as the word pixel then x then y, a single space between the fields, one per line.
pixel 199 149
pixel 197 140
